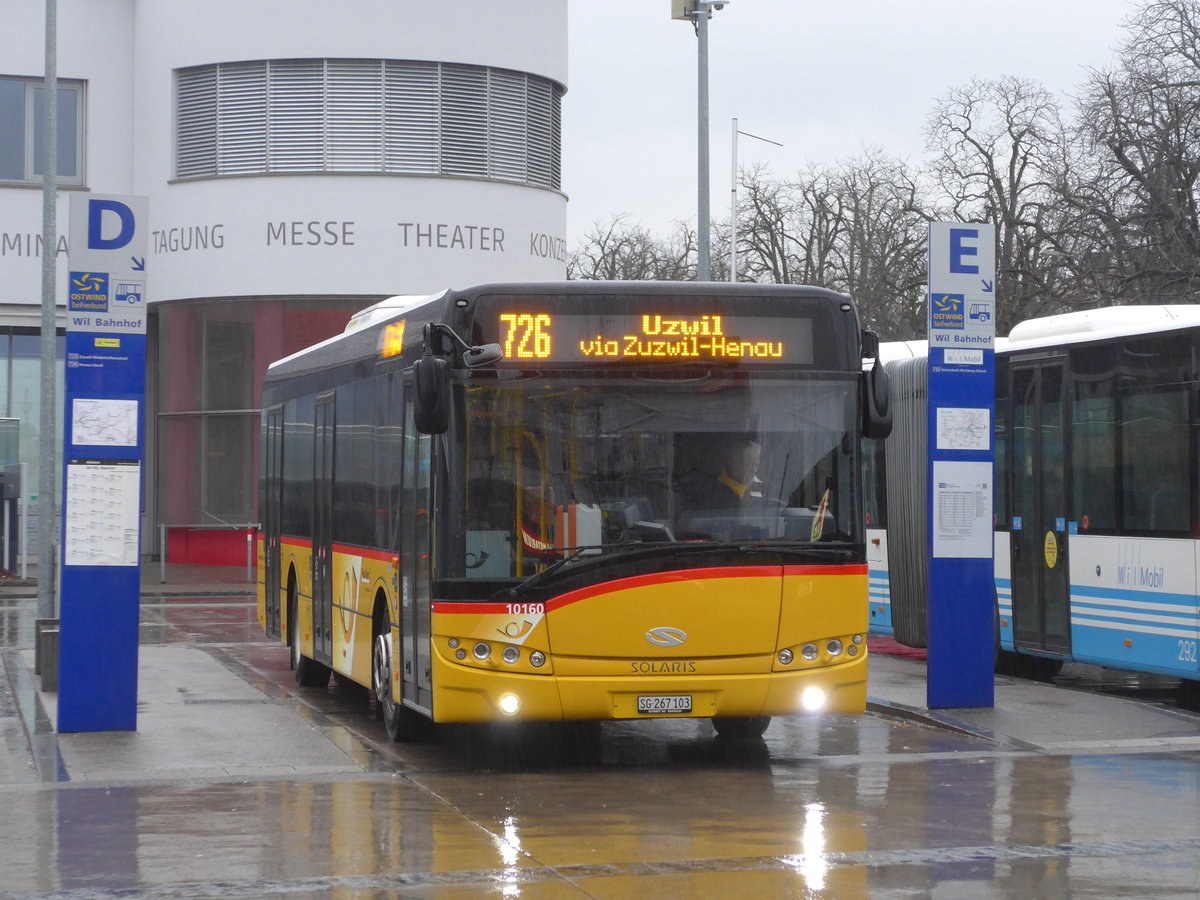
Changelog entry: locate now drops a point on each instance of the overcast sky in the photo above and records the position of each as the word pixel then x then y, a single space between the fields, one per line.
pixel 824 79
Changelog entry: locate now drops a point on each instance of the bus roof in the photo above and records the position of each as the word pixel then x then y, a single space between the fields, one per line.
pixel 393 308
pixel 1100 324
pixel 1070 328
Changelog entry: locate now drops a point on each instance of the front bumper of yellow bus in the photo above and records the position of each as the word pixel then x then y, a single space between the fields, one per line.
pixel 468 694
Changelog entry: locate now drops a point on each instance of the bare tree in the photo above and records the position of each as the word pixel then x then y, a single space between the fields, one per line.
pixel 620 251
pixel 858 227
pixel 883 244
pixel 995 146
pixel 1139 125
pixel 765 228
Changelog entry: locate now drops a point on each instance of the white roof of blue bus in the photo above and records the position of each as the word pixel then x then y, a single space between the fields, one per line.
pixel 889 351
pixel 1070 328
pixel 1098 324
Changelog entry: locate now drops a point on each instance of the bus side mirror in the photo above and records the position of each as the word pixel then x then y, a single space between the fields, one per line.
pixel 474 357
pixel 431 385
pixel 870 345
pixel 877 402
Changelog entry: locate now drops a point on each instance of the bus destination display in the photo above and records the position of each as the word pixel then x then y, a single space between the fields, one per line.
pixel 653 337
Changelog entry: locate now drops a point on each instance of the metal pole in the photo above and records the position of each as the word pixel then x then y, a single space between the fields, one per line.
pixel 733 202
pixel 22 525
pixel 733 211
pixel 47 520
pixel 703 268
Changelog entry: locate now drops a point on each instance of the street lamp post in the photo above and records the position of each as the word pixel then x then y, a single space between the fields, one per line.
pixel 699 12
pixel 733 198
pixel 47 521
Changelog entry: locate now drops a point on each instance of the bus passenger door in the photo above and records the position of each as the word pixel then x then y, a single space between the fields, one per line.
pixel 322 552
pixel 415 566
pixel 1040 581
pixel 271 516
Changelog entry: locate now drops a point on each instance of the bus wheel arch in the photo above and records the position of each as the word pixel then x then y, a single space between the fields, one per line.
pixel 402 724
pixel 309 672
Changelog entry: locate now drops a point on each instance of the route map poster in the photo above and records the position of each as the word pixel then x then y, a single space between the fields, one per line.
pixel 104 423
pixel 964 429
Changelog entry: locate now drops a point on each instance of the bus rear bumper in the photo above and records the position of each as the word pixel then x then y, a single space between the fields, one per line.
pixel 467 694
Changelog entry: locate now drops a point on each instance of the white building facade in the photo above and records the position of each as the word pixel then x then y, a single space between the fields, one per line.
pixel 302 159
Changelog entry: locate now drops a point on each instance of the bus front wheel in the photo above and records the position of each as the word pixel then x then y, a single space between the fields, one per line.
pixel 401 723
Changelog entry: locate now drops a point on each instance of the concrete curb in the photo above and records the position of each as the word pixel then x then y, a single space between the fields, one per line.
pixel 941 721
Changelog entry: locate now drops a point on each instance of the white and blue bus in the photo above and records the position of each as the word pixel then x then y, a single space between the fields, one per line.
pixel 1097 495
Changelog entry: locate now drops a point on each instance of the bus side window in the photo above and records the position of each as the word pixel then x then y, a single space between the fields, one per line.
pixel 1154 461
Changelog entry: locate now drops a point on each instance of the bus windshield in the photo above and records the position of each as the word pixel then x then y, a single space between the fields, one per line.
pixel 559 462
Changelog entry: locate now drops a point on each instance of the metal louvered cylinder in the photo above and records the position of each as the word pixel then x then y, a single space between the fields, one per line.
pixel 404 117
pixel 907 478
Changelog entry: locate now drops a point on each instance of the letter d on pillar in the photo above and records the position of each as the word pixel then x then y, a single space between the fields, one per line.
pixel 96 221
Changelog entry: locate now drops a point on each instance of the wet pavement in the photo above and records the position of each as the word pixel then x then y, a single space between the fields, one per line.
pixel 239 784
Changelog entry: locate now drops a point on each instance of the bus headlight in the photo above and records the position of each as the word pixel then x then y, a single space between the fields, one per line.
pixel 509 704
pixel 511 654
pixel 785 656
pixel 809 652
pixel 537 659
pixel 834 647
pixel 482 650
pixel 813 698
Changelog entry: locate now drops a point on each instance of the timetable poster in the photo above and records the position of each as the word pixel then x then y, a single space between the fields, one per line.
pixel 103 515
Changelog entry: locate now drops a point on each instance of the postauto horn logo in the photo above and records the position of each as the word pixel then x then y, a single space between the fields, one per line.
pixel 665 636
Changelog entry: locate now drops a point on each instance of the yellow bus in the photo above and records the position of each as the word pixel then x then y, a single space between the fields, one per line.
pixel 576 501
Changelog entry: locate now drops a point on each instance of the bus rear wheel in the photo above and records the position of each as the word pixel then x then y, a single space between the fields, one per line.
pixel 401 723
pixel 1189 694
pixel 741 727
pixel 309 672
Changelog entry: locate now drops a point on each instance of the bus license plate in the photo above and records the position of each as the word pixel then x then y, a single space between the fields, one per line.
pixel 669 703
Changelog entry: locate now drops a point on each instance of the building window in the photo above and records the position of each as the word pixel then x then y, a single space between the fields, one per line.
pixel 209 397
pixel 367 115
pixel 22 130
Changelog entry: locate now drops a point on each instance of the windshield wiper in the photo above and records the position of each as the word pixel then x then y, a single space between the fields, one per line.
pixel 799 547
pixel 572 553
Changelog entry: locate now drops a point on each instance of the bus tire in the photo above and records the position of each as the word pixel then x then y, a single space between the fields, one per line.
pixel 741 727
pixel 402 724
pixel 1008 663
pixel 1042 668
pixel 1189 694
pixel 309 672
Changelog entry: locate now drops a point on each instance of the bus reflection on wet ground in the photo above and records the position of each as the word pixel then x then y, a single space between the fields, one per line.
pixel 847 807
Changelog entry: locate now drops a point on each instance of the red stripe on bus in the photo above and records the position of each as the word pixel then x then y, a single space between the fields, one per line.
pixel 608 587
pixel 857 569
pixel 366 553
pixel 637 581
pixel 381 555
pixel 475 609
